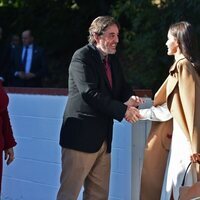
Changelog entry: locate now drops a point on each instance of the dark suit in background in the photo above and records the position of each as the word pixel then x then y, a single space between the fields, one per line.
pixel 2 52
pixel 9 48
pixel 38 67
pixel 2 67
pixel 33 76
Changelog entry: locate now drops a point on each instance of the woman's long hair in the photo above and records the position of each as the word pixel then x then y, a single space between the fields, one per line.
pixel 187 40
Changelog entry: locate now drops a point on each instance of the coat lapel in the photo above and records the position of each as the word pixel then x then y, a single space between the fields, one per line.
pixel 171 84
pixel 172 78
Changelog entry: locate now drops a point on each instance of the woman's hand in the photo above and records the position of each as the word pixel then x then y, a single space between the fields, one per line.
pixel 195 158
pixel 9 155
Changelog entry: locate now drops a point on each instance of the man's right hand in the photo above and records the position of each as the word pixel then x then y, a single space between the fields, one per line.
pixel 134 101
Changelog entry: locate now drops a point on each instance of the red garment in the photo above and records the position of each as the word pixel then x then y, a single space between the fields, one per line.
pixel 6 135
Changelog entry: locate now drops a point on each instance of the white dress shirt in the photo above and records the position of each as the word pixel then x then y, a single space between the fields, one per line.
pixel 29 57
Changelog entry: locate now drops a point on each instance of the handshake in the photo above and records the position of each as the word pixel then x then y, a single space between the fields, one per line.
pixel 132 113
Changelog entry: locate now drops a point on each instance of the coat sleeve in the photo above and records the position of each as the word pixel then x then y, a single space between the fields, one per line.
pixel 189 86
pixel 156 113
pixel 41 63
pixel 9 140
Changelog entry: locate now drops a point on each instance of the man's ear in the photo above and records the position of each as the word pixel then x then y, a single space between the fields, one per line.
pixel 96 37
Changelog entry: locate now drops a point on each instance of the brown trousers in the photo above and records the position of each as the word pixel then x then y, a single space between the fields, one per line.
pixel 91 170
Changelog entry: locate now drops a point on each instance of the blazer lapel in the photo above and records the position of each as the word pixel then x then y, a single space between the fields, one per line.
pixel 100 65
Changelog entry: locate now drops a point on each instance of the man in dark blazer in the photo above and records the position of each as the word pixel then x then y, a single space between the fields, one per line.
pixel 93 103
pixel 28 65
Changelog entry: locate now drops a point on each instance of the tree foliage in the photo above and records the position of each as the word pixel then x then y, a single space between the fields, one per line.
pixel 61 26
pixel 144 34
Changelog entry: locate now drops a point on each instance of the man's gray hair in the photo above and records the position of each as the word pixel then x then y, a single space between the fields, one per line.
pixel 99 25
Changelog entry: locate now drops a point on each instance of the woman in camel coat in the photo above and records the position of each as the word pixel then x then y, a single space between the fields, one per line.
pixel 175 131
pixel 7 141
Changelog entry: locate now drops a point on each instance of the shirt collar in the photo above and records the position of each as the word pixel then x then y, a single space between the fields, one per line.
pixel 30 46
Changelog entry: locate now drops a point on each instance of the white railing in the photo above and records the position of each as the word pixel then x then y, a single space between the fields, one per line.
pixel 34 175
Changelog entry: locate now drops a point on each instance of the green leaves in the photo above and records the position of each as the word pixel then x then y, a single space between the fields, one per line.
pixel 144 34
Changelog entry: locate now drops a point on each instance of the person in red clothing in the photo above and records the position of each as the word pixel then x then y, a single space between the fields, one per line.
pixel 7 141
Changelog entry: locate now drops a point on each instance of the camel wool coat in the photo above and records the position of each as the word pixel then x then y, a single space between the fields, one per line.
pixel 181 91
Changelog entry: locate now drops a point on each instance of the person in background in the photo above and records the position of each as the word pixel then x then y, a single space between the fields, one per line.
pixel 15 40
pixel 2 68
pixel 10 48
pixel 7 141
pixel 28 64
pixel 98 93
pixel 175 132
